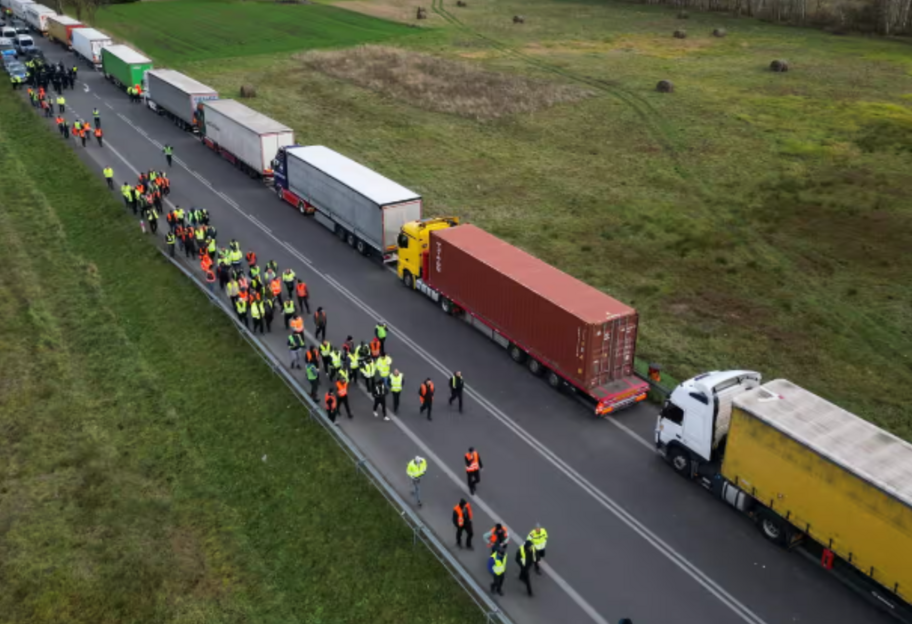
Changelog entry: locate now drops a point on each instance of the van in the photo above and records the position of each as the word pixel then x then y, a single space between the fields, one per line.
pixel 24 43
pixel 8 32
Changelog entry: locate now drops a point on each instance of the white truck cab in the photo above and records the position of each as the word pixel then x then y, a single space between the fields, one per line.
pixel 693 424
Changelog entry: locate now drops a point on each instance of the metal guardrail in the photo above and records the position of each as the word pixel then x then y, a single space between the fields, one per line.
pixel 420 531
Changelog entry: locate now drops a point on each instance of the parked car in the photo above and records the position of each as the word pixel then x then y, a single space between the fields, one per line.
pixel 17 69
pixel 25 44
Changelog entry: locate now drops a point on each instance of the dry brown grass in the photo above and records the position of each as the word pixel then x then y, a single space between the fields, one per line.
pixel 439 84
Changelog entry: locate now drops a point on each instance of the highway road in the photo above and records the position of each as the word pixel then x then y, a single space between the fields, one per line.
pixel 628 537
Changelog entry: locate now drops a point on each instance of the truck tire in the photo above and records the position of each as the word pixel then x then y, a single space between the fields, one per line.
pixel 341 233
pixel 535 367
pixel 773 528
pixel 446 305
pixel 518 355
pixel 351 239
pixel 554 380
pixel 408 279
pixel 362 247
pixel 302 208
pixel 680 462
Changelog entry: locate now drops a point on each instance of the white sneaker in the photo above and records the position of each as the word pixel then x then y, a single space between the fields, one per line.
pixel 375 414
pixel 386 418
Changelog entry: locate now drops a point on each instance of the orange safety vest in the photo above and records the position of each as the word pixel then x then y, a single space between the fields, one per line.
pixel 205 263
pixel 297 325
pixel 210 276
pixel 375 347
pixel 97 132
pixel 341 388
pixel 426 390
pixel 242 283
pixel 301 289
pixel 251 257
pixel 473 461
pixel 459 516
pixel 495 534
pixel 276 287
pixel 243 295
pixel 330 401
pixel 310 356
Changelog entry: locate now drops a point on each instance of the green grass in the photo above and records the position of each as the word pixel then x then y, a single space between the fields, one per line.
pixel 756 220
pixel 181 31
pixel 133 422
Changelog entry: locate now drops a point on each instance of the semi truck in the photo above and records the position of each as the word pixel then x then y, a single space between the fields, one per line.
pixel 36 16
pixel 60 29
pixel 576 337
pixel 247 139
pixel 815 478
pixel 88 43
pixel 19 8
pixel 177 96
pixel 124 66
pixel 362 207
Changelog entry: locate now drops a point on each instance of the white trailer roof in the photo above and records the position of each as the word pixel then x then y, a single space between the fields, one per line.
pixel 127 54
pixel 860 447
pixel 40 8
pixel 367 182
pixel 91 33
pixel 66 20
pixel 182 81
pixel 247 117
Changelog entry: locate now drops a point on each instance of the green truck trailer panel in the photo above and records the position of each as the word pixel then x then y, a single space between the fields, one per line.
pixel 837 478
pixel 125 64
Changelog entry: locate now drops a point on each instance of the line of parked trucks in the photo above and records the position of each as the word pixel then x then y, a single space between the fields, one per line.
pixel 814 477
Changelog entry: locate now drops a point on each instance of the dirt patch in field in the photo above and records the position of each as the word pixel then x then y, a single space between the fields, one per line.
pixel 439 84
pixel 394 10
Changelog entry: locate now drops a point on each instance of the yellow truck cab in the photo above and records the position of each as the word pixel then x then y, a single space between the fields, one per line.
pixel 413 243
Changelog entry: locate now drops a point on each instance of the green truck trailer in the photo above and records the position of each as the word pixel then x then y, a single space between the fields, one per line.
pixel 124 66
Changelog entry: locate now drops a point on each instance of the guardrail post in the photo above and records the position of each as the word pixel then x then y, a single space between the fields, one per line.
pixel 359 464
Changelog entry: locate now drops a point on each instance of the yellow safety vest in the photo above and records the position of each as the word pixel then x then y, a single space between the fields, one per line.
pixel 396 383
pixel 500 564
pixel 417 470
pixel 539 540
pixel 383 365
pixel 325 349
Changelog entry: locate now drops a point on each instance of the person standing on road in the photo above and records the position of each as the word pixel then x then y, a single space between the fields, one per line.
pixel 319 322
pixel 369 372
pixel 380 400
pixel 539 538
pixel 426 394
pixel 326 355
pixel 380 332
pixel 525 557
pixel 416 469
pixel 127 191
pixel 396 381
pixel 168 151
pixel 171 241
pixel 294 346
pixel 384 364
pixel 269 314
pixel 83 134
pixel 303 298
pixel 462 520
pixel 313 376
pixel 241 306
pixel 97 117
pixel 98 137
pixel 288 309
pixel 257 311
pixel 336 356
pixel 109 177
pixel 498 536
pixel 61 104
pixel 497 566
pixel 288 277
pixel 332 406
pixel 342 393
pixel 473 466
pixel 457 384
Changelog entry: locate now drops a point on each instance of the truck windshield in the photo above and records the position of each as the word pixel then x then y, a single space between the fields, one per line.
pixel 672 413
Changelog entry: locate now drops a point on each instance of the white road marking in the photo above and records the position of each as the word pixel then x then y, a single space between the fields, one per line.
pixel 651 538
pixel 258 224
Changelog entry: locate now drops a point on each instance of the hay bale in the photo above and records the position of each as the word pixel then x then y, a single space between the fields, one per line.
pixel 421 14
pixel 248 91
pixel 719 32
pixel 665 86
pixel 519 19
pixel 460 3
pixel 779 66
pixel 683 15
pixel 680 34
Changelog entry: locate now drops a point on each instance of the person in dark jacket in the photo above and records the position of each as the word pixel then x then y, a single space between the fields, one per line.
pixel 457 383
pixel 525 557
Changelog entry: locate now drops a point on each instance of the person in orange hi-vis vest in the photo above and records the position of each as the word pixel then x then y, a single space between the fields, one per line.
pixel 473 469
pixel 342 394
pixel 426 393
pixel 462 520
pixel 301 290
pixel 275 286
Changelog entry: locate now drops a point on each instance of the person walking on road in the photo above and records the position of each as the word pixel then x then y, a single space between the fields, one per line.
pixel 332 406
pixel 380 332
pixel 303 298
pixel 457 383
pixel 497 536
pixel 319 323
pixel 326 355
pixel 396 381
pixel 97 117
pixel 525 557
pixel 288 277
pixel 241 307
pixel 257 311
pixel 288 310
pixel 473 466
pixel 380 399
pixel 416 469
pixel 342 393
pixel 384 364
pixel 294 346
pixel 168 151
pixel 109 177
pixel 171 241
pixel 462 520
pixel 426 394
pixel 98 137
pixel 497 566
pixel 539 538
pixel 269 314
pixel 61 104
pixel 313 376
pixel 369 372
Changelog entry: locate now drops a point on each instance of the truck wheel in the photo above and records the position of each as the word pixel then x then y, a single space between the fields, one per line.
pixel 341 233
pixel 302 208
pixel 362 247
pixel 518 355
pixel 554 380
pixel 680 462
pixel 535 367
pixel 773 527
pixel 352 241
pixel 408 280
pixel 280 193
pixel 446 305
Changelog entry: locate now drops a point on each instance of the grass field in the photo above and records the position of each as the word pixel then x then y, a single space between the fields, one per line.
pixel 756 220
pixel 133 423
pixel 199 29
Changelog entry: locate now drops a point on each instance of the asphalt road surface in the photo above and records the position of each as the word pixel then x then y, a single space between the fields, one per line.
pixel 628 537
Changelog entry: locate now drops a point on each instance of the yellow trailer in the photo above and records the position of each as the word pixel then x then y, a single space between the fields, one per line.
pixel 832 477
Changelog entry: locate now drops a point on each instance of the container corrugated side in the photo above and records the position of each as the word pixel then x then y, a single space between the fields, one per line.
pixel 868 528
pixel 480 280
pixel 173 98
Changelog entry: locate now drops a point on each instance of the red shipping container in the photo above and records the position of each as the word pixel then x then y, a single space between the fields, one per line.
pixel 575 330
